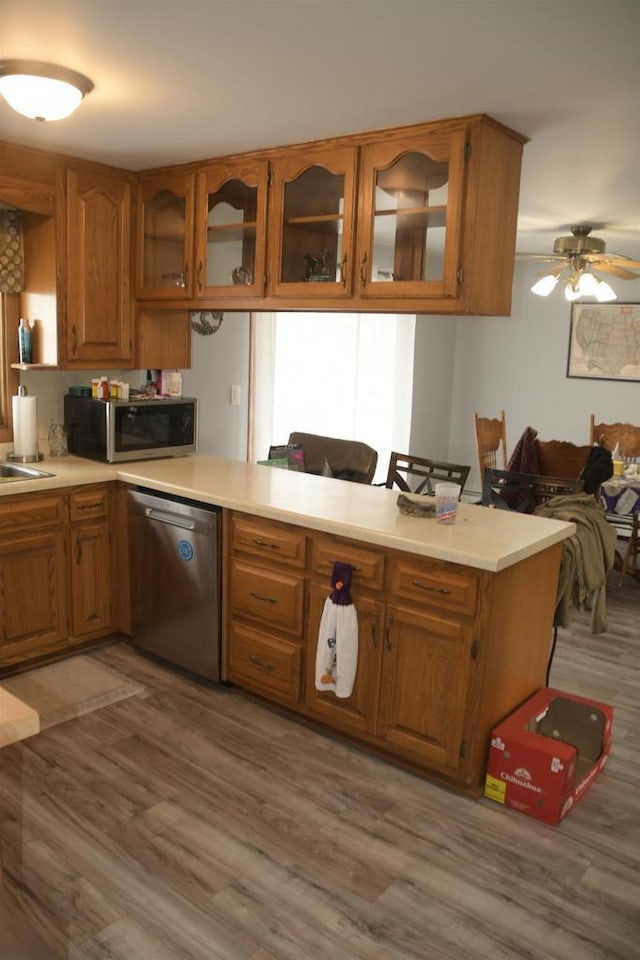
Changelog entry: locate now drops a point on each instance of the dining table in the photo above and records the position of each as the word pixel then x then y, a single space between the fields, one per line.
pixel 620 497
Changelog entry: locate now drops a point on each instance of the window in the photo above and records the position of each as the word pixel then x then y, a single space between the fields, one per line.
pixel 343 375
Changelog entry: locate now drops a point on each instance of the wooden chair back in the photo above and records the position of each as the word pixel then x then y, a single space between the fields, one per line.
pixel 523 492
pixel 608 434
pixel 491 441
pixel 419 475
pixel 560 458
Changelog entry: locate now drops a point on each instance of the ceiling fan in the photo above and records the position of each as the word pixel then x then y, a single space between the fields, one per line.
pixel 580 257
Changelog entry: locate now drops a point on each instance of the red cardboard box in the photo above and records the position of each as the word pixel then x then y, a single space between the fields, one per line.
pixel 547 753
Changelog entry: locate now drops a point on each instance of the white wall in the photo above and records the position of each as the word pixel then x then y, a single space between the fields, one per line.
pixel 519 364
pixel 217 362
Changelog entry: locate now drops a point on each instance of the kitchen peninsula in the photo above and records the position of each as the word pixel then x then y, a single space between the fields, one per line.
pixel 454 621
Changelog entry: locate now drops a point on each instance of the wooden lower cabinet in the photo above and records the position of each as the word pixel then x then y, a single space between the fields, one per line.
pixel 56 583
pixel 265 664
pixel 427 668
pixel 445 651
pixel 33 595
pixel 357 713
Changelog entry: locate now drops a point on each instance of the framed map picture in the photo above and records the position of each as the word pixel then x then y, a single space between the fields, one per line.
pixel 604 341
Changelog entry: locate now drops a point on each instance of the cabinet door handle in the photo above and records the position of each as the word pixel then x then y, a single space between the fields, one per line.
pixel 343 271
pixel 374 629
pixel 427 586
pixel 199 276
pixel 78 550
pixel 387 632
pixel 269 544
pixel 363 269
pixel 261 663
pixel 262 596
pixel 74 339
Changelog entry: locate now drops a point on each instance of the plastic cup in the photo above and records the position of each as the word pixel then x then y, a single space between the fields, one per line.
pixel 447 495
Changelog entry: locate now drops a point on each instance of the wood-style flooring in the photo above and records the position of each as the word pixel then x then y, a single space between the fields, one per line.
pixel 190 823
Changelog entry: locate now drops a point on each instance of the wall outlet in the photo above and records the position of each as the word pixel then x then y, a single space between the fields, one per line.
pixel 235 395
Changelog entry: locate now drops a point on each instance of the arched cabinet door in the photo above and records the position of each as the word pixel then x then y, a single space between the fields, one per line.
pixel 164 252
pixel 312 207
pixel 230 230
pixel 410 216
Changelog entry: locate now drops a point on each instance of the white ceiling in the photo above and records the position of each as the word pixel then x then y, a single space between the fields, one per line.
pixel 193 79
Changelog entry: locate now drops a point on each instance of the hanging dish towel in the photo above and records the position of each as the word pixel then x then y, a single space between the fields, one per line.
pixel 337 653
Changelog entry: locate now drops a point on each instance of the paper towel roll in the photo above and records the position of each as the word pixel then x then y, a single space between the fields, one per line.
pixel 25 431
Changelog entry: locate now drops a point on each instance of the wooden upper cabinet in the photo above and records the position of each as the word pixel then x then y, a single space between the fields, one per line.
pixel 311 224
pixel 417 219
pixel 230 240
pixel 98 313
pixel 410 213
pixel 165 206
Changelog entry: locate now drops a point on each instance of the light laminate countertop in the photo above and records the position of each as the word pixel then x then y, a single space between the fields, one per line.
pixel 481 538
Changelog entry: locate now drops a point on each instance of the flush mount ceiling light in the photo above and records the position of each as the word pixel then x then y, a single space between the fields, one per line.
pixel 42 91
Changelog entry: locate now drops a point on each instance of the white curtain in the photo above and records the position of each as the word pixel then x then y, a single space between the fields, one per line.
pixel 341 375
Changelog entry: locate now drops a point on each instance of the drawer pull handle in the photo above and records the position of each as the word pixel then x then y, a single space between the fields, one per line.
pixel 261 663
pixel 387 632
pixel 353 566
pixel 89 506
pixel 262 596
pixel 427 586
pixel 270 544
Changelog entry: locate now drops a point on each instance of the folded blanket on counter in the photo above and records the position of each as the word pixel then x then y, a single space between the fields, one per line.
pixel 337 652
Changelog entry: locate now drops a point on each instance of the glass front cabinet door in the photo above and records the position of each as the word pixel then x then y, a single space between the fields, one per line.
pixel 409 228
pixel 311 224
pixel 230 233
pixel 165 237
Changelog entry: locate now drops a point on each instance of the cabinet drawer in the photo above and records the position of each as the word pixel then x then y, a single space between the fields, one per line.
pixel 89 504
pixel 428 583
pixel 32 514
pixel 368 566
pixel 272 597
pixel 263 538
pixel 265 664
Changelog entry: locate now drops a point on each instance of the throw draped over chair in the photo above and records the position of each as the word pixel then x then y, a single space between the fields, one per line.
pixel 523 492
pixel 610 434
pixel 419 475
pixel 345 459
pixel 491 442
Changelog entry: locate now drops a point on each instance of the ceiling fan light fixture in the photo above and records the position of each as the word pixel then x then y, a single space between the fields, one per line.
pixel 572 290
pixel 545 286
pixel 42 91
pixel 587 285
pixel 604 292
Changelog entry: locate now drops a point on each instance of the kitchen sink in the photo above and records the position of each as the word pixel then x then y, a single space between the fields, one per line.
pixel 20 471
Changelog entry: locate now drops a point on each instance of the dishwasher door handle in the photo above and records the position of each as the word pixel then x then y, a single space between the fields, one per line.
pixel 173 519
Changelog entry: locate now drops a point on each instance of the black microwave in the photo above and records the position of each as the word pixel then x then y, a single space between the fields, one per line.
pixel 138 429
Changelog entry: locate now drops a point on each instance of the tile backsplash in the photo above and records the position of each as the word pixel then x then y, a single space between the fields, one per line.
pixel 50 386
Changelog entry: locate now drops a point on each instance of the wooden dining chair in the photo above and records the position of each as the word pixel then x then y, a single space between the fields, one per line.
pixel 419 475
pixel 523 492
pixel 561 458
pixel 491 442
pixel 609 434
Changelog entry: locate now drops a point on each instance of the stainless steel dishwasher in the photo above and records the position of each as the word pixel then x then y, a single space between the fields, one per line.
pixel 174 554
